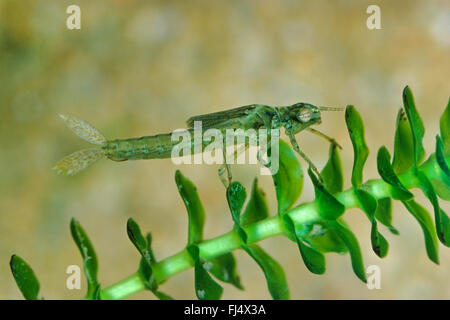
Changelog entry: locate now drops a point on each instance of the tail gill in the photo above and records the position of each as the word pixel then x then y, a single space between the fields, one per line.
pixel 82 159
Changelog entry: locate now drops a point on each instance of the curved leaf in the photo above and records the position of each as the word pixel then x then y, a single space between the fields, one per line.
pixel 205 286
pixel 89 257
pixel 440 181
pixel 384 214
pixel 313 259
pixel 25 278
pixel 289 178
pixel 224 269
pixel 161 295
pixel 379 243
pixel 355 128
pixel 194 207
pixel 442 221
pixel 328 206
pixel 275 277
pixel 149 246
pixel 399 191
pixel 441 184
pixel 416 123
pixel 445 128
pixel 353 246
pixel 440 159
pixel 426 223
pixel 257 208
pixel 322 238
pixel 144 246
pixel 136 237
pixel 236 195
pixel 369 205
pixel 403 159
pixel 332 175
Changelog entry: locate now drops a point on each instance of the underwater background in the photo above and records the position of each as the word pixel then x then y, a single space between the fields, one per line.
pixel 143 67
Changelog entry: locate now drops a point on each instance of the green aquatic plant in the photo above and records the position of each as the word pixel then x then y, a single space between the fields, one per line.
pixel 213 260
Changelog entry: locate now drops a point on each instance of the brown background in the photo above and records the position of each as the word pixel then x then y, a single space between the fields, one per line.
pixel 143 67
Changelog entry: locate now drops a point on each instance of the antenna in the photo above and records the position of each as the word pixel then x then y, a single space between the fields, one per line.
pixel 331 108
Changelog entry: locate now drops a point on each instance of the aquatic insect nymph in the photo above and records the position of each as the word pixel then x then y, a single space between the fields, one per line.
pixel 294 118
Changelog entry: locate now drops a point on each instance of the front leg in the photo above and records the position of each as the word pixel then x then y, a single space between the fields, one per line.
pixel 303 155
pixel 266 120
pixel 323 135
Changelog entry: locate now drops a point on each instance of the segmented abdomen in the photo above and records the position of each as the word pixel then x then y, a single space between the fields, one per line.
pixel 149 147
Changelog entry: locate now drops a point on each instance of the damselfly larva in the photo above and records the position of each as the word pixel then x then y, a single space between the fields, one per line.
pixel 294 118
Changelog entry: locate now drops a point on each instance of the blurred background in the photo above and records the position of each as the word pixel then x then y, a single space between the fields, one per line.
pixel 143 67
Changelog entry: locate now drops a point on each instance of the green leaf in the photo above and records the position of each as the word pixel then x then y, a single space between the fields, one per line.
pixel 355 128
pixel 366 202
pixel 194 207
pixel 161 295
pixel 403 145
pixel 426 223
pixel 442 183
pixel 441 188
pixel 328 206
pixel 149 247
pixel 289 178
pixel 321 237
pixel 257 208
pixel 89 257
pixel 369 205
pixel 205 286
pixel 97 293
pixel 445 128
pixel 440 158
pixel 275 277
pixel 148 259
pixel 332 175
pixel 379 244
pixel 25 278
pixel 416 124
pixel 224 269
pixel 313 259
pixel 353 246
pixel 236 195
pixel 136 237
pixel 399 191
pixel 384 214
pixel 441 219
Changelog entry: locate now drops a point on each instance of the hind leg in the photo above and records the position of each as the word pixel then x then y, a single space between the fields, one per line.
pixel 304 156
pixel 226 167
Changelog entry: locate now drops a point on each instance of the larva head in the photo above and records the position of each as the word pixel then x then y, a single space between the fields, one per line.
pixel 300 116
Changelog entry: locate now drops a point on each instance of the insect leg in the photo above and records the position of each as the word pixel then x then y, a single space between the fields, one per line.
pixel 227 181
pixel 225 166
pixel 323 135
pixel 267 120
pixel 303 155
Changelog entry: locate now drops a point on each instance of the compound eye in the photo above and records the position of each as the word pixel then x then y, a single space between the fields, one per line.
pixel 305 115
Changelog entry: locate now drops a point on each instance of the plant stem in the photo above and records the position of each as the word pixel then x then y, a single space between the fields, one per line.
pixel 302 214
